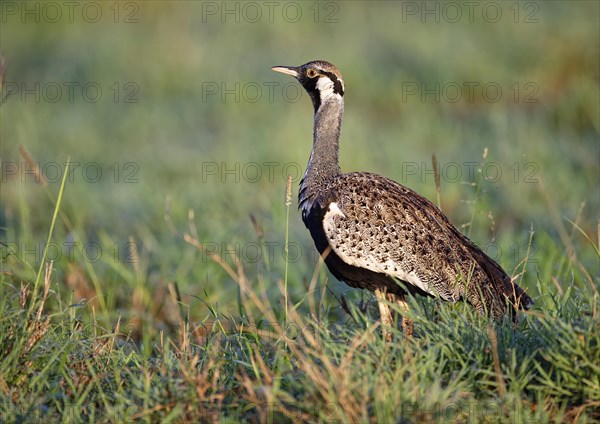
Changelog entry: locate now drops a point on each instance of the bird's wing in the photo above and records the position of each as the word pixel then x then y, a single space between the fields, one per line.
pixel 377 224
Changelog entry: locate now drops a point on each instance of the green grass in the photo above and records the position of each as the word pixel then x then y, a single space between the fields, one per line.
pixel 166 293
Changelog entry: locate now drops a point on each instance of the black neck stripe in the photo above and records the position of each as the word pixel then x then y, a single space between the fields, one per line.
pixel 310 85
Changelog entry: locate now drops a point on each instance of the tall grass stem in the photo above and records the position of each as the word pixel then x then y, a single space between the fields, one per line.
pixel 50 232
pixel 288 202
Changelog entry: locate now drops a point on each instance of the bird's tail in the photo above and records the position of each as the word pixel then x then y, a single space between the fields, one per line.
pixel 505 294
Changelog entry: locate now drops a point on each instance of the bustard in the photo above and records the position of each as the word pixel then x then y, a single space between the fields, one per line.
pixel 374 233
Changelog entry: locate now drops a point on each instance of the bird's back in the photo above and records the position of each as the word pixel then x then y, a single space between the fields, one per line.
pixel 374 224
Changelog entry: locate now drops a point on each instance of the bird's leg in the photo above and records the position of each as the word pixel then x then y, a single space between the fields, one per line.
pixel 387 319
pixel 407 323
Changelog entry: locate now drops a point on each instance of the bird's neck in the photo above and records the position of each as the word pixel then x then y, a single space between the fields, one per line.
pixel 323 165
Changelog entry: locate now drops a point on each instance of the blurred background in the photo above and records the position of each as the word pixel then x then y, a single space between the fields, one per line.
pixel 164 108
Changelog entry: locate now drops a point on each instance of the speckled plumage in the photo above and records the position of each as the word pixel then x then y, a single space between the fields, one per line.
pixel 393 232
pixel 380 232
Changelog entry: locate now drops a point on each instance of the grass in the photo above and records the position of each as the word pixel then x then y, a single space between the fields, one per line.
pixel 170 290
pixel 63 363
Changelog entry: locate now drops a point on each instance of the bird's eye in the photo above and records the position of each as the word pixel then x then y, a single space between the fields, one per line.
pixel 311 73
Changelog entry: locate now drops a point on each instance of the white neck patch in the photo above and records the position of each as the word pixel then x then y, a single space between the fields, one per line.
pixel 325 87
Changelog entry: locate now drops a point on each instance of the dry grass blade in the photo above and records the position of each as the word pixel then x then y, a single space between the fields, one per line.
pixel 33 166
pixel 47 275
pixel 313 281
pixel 584 234
pixel 257 227
pixel 523 264
pixel 288 202
pixel 2 71
pixel 438 186
pixel 496 357
pixel 288 190
pixel 184 344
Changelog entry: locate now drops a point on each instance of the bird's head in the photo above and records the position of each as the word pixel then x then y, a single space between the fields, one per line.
pixel 321 80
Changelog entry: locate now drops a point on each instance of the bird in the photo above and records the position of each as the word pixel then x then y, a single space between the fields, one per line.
pixel 379 235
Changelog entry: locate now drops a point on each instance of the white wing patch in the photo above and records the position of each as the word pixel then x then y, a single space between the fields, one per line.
pixel 333 210
pixel 364 259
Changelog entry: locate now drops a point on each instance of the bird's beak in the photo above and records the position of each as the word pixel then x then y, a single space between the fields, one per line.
pixel 289 70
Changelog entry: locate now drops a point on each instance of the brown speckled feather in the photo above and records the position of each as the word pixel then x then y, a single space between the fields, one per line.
pixel 387 228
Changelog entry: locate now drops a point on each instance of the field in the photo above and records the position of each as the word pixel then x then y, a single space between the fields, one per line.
pixel 154 267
